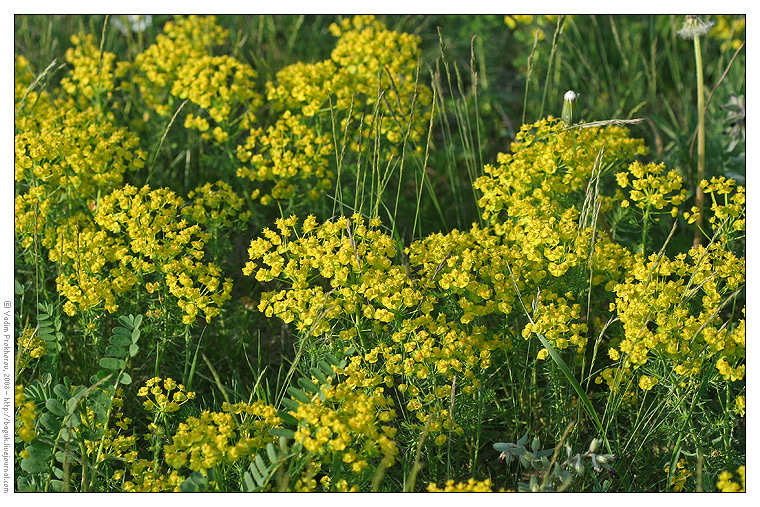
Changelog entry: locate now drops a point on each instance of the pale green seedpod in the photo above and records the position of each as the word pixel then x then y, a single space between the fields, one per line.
pixel 567 107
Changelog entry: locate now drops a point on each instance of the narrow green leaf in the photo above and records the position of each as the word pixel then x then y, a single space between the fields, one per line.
pixel 257 476
pixel 571 378
pixel 248 485
pixel 287 418
pixel 137 321
pixel 271 453
pixel 127 321
pixel 317 373
pixel 332 359
pixel 326 368
pixel 135 335
pixel 282 432
pixel 299 395
pixel 291 405
pixel 263 468
pixel 308 385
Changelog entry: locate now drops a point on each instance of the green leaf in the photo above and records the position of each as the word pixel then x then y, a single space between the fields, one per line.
pixel 282 432
pixel 299 395
pixel 256 475
pixel 120 340
pixel 291 405
pixel 128 322
pixel 135 335
pixel 578 389
pixel 38 454
pixel 34 466
pixel 317 373
pixel 248 485
pixel 110 363
pixel 56 485
pixel 326 368
pixel 133 349
pixel 125 379
pixel 123 332
pixel 188 486
pixel 55 407
pixel 263 468
pixel 332 359
pixel 50 422
pixel 18 288
pixel 271 453
pixel 287 418
pixel 71 405
pixel 115 351
pixel 308 385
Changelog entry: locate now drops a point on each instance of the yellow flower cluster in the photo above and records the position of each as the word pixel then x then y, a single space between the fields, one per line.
pixel 215 438
pixel 726 217
pixel 548 169
pixel 726 485
pixel 291 155
pixel 538 24
pixel 471 486
pixel 65 157
pixel 91 79
pixel 558 321
pixel 368 60
pixel 180 66
pixel 730 30
pixel 136 237
pixel 26 416
pixel 146 476
pixel 651 189
pixel 115 443
pixel 341 271
pixel 349 425
pixel 164 396
pixel 355 260
pixel 216 206
pixel 29 346
pixel 430 357
pixel 679 476
pixel 661 310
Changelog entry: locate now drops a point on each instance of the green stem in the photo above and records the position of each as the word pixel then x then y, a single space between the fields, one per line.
pixel 700 197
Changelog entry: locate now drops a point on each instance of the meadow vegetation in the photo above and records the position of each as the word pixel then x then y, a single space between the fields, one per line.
pixel 359 253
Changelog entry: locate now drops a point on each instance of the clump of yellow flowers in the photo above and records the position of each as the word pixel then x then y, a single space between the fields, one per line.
pixel 26 416
pixel 348 425
pixel 471 486
pixel 29 346
pixel 181 66
pixel 216 438
pixel 726 485
pixel 369 86
pixel 137 237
